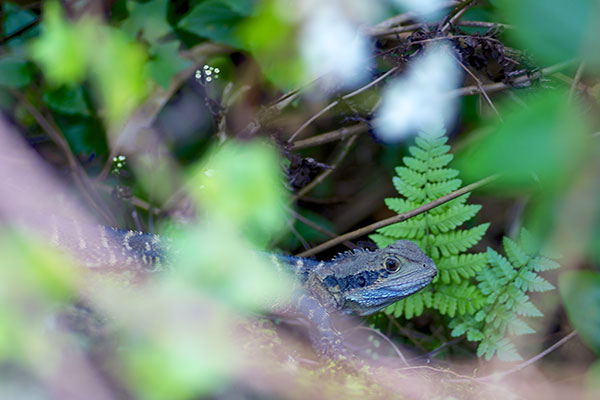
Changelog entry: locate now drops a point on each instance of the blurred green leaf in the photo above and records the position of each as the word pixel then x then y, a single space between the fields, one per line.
pixel 116 63
pixel 122 84
pixel 216 20
pixel 580 292
pixel 242 184
pixel 592 381
pixel 554 30
pixel 271 37
pixel 166 62
pixel 184 350
pixel 63 49
pixel 14 71
pixel 85 135
pixel 67 100
pixel 225 266
pixel 15 18
pixel 541 144
pixel 147 19
pixel 34 279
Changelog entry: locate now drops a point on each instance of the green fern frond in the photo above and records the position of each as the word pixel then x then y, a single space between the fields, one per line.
pixel 506 283
pixel 452 217
pixel 452 243
pixel 541 263
pixel 412 193
pixel 411 177
pixel 425 176
pixel 458 268
pixel 518 327
pixel 440 161
pixel 532 282
pixel 517 256
pixel 412 306
pixel 400 205
pixel 381 241
pixel 414 228
pixel 463 298
pixel 441 175
pixel 435 190
pixel 414 164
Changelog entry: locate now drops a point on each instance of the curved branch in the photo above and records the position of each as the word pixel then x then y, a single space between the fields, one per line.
pixel 397 218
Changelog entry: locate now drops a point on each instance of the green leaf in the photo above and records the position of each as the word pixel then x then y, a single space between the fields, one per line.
pixel 463 266
pixel 515 253
pixel 553 30
pixel 67 100
pixel 14 19
pixel 381 241
pixel 85 135
pixel 217 20
pixel 147 19
pixel 122 85
pixel 243 171
pixel 530 281
pixel 165 62
pixel 63 48
pixel 519 327
pixel 541 263
pixel 542 144
pixel 507 351
pixel 580 291
pixel 451 243
pixel 15 71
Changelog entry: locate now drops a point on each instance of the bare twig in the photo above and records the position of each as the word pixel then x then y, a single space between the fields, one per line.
pixel 402 18
pixel 397 218
pixel 576 80
pixel 341 155
pixel 527 363
pixel 460 10
pixel 336 102
pixel 415 27
pixel 332 136
pixel 497 87
pixel 19 31
pixel 479 84
pixel 387 340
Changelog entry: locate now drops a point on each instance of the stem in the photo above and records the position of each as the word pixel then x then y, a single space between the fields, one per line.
pixel 397 218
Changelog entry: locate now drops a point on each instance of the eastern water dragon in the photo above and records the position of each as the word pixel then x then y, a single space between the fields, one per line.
pixel 354 282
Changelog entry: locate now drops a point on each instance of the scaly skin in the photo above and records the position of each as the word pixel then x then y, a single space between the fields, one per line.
pixel 355 282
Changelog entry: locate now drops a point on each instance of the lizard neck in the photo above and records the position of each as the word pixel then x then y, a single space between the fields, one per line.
pixel 309 273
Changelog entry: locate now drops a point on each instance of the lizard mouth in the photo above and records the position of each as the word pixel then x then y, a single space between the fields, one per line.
pixel 407 288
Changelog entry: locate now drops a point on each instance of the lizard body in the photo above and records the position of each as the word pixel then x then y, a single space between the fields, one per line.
pixel 354 282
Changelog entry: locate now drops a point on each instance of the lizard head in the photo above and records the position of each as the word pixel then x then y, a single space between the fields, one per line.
pixel 364 282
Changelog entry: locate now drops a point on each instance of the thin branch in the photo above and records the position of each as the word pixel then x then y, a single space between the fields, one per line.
pixel 531 360
pixel 317 227
pixel 336 102
pixel 479 84
pixel 402 18
pixel 19 31
pixel 387 340
pixel 576 80
pixel 338 134
pixel 342 154
pixel 497 87
pixel 397 218
pixel 460 10
pixel 414 27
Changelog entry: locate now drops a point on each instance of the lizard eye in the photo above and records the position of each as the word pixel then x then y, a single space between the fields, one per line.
pixel 391 265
